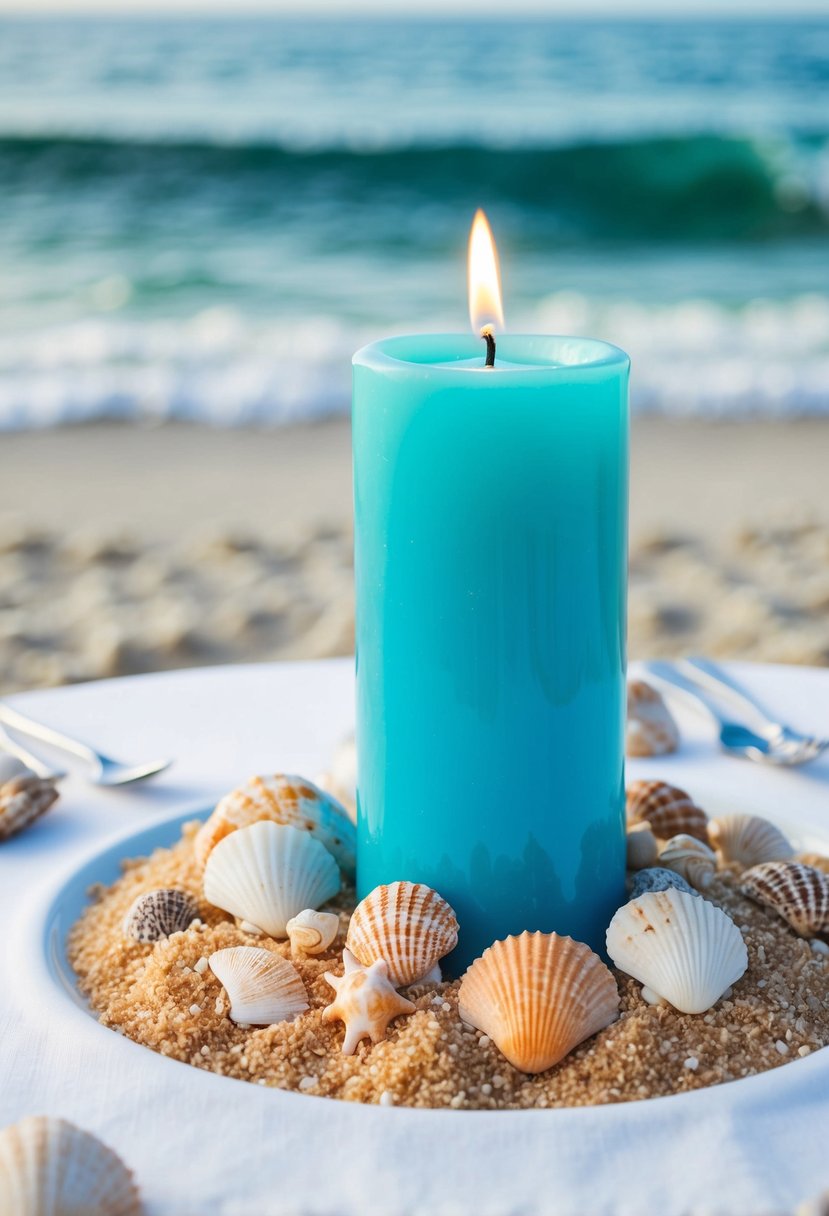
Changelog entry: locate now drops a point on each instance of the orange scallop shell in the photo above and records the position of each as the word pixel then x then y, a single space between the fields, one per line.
pixel 408 925
pixel 538 996
pixel 668 809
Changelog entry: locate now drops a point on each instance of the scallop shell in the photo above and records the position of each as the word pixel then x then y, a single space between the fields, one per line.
pixel 538 996
pixel 263 987
pixel 407 924
pixel 312 932
pixel 157 914
pixel 642 849
pixel 365 1001
pixel 691 859
pixel 287 800
pixel 651 731
pixel 682 949
pixel 24 796
pixel 657 878
pixel 49 1167
pixel 798 893
pixel 748 840
pixel 267 873
pixel 669 810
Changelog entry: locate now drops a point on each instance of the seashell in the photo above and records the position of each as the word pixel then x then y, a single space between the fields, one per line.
pixel 50 1167
pixel 538 996
pixel 263 987
pixel 691 859
pixel 288 800
pixel 341 778
pixel 365 1001
pixel 798 893
pixel 669 810
pixel 657 878
pixel 408 925
pixel 748 840
pixel 24 796
pixel 682 949
pixel 312 932
pixel 816 860
pixel 651 731
pixel 269 872
pixel 157 914
pixel 642 849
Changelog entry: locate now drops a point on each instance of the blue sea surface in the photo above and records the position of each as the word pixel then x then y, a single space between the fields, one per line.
pixel 203 218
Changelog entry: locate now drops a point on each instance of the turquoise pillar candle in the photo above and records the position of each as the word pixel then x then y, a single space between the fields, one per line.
pixel 490 562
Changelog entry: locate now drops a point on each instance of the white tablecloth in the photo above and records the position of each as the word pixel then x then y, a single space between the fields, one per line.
pixel 202 1145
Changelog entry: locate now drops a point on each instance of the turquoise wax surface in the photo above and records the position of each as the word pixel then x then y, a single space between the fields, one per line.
pixel 490 566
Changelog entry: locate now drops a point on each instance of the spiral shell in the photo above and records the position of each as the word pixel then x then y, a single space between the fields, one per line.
pixel 365 1001
pixel 642 849
pixel 651 731
pixel 292 801
pixel 263 987
pixel 24 796
pixel 538 996
pixel 748 840
pixel 798 893
pixel 691 859
pixel 657 878
pixel 49 1167
pixel 407 924
pixel 157 914
pixel 682 949
pixel 267 873
pixel 312 932
pixel 669 810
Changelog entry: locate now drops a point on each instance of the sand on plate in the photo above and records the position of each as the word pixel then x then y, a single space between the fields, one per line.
pixel 126 549
pixel 165 997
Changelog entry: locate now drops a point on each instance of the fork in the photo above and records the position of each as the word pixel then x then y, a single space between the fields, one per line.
pixel 770 744
pixel 104 769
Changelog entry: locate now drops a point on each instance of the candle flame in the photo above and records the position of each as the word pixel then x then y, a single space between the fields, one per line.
pixel 485 307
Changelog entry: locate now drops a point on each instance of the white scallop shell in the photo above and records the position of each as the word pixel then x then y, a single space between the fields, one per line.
pixel 682 949
pixel 263 987
pixel 691 859
pixel 312 932
pixel 49 1167
pixel 748 840
pixel 267 873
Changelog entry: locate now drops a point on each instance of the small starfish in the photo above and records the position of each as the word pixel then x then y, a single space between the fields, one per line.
pixel 366 1001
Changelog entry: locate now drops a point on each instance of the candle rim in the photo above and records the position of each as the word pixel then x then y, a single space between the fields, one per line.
pixel 450 353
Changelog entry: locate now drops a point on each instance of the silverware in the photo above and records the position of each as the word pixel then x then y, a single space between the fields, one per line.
pixel 768 744
pixel 11 747
pixel 104 770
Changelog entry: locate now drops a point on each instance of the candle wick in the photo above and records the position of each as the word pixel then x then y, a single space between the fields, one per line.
pixel 489 337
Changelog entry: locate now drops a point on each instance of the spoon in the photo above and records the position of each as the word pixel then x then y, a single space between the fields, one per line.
pixel 104 769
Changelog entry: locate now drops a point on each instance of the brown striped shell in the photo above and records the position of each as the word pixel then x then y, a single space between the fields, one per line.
pixel 668 809
pixel 798 893
pixel 408 925
pixel 291 801
pixel 651 731
pixel 157 914
pixel 748 840
pixel 691 859
pixel 538 996
pixel 24 796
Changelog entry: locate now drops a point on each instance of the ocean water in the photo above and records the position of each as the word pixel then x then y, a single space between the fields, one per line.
pixel 203 218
